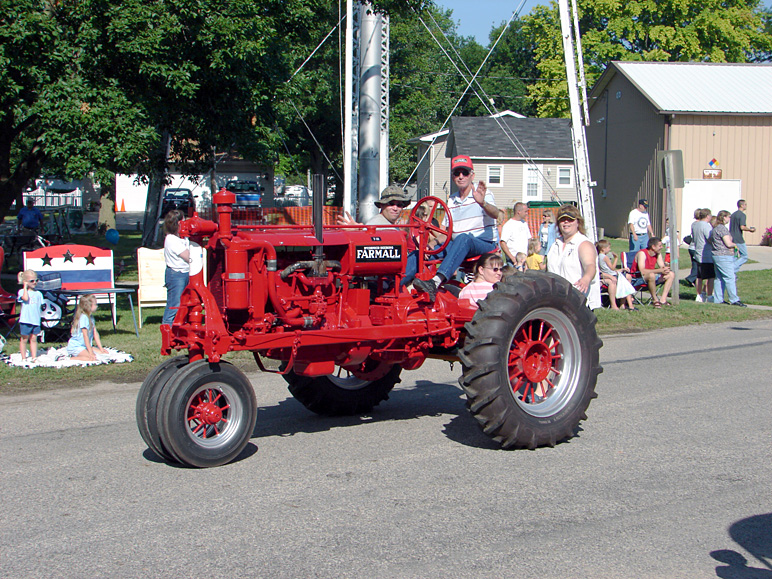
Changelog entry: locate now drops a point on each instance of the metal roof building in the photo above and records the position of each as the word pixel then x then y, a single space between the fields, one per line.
pixel 719 115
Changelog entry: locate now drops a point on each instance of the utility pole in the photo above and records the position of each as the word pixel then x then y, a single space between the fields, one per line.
pixel 366 115
pixel 369 111
pixel 578 136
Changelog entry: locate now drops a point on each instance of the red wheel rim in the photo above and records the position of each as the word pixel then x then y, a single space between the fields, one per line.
pixel 533 361
pixel 208 413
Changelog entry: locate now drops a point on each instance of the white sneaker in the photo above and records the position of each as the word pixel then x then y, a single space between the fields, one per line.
pixel 699 299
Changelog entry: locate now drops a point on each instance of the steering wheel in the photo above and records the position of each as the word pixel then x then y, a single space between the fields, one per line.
pixel 424 224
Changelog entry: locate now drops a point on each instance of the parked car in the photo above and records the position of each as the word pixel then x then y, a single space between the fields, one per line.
pixel 293 196
pixel 177 198
pixel 248 193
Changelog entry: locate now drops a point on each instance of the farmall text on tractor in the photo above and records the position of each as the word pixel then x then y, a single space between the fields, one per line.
pixel 322 306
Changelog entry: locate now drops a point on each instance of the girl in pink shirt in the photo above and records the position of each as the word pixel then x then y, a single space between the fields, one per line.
pixel 487 271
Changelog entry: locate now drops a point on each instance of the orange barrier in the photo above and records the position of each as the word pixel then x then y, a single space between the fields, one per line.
pixel 276 215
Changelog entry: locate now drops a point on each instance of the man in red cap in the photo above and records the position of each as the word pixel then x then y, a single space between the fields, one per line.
pixel 474 224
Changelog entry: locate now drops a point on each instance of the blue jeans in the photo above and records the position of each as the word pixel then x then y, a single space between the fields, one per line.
pixel 742 256
pixel 643 241
pixel 692 277
pixel 175 282
pixel 463 245
pixel 411 269
pixel 725 280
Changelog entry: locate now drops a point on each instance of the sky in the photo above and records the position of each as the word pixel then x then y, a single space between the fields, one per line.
pixel 477 17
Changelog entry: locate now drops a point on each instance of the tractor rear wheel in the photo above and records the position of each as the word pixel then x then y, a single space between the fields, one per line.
pixel 207 414
pixel 346 392
pixel 531 361
pixel 147 403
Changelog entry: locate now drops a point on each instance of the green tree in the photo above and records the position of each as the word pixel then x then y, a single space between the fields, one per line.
pixel 666 30
pixel 93 85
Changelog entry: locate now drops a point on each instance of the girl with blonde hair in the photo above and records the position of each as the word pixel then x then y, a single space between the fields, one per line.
pixel 84 332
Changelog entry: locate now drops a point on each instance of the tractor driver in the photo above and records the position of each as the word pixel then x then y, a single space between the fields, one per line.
pixel 474 224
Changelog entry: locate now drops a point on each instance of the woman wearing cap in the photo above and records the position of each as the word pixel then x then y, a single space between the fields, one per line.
pixel 573 256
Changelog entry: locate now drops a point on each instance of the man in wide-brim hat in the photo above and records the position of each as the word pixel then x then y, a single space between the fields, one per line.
pixel 393 200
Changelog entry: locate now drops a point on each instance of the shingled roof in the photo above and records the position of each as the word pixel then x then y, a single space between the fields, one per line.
pixel 483 138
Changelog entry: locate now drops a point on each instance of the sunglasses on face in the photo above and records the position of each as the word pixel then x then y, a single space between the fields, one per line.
pixel 495 269
pixel 400 204
pixel 569 219
pixel 459 172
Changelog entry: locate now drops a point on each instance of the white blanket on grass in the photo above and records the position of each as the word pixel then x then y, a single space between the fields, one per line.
pixel 58 358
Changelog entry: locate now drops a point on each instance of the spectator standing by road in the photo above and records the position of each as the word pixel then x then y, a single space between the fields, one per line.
pixel 548 232
pixel 573 256
pixel 639 223
pixel 177 257
pixel 516 233
pixel 737 227
pixel 703 253
pixel 723 261
pixel 691 279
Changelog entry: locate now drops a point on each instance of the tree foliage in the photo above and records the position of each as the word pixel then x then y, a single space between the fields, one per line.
pixel 651 30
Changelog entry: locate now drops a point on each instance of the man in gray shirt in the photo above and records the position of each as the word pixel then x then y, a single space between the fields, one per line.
pixel 736 228
pixel 702 253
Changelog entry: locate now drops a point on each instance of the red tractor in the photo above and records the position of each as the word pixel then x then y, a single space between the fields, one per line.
pixel 325 307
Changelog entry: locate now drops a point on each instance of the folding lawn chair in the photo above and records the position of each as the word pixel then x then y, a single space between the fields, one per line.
pixel 628 261
pixel 9 312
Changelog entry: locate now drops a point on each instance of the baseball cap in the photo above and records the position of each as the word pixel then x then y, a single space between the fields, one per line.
pixel 461 161
pixel 643 202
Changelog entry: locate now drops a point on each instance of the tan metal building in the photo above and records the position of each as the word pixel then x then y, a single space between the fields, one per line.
pixel 720 117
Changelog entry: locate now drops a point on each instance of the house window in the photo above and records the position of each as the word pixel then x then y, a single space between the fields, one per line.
pixel 496 176
pixel 565 176
pixel 532 183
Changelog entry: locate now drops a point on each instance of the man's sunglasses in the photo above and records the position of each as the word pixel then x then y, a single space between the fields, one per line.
pixel 459 172
pixel 401 204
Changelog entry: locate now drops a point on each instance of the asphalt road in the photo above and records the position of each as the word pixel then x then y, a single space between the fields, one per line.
pixel 669 477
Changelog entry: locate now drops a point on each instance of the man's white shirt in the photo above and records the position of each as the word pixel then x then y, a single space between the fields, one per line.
pixel 640 221
pixel 516 234
pixel 470 217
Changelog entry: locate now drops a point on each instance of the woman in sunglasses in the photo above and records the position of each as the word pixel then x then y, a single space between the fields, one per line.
pixel 487 271
pixel 574 257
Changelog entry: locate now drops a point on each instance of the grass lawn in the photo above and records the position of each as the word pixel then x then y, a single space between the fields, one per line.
pixel 753 287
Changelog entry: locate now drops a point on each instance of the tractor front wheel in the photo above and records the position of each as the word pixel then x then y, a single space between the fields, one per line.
pixel 531 361
pixel 147 403
pixel 347 392
pixel 206 413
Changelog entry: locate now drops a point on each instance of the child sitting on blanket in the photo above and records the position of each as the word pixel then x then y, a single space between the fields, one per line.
pixel 29 320
pixel 83 331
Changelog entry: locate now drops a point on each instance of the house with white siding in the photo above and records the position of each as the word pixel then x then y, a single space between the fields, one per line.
pixel 520 159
